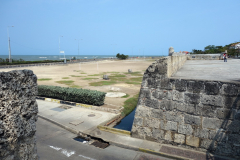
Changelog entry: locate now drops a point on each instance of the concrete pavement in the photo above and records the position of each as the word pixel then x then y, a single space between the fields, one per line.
pixel 85 121
pixel 210 70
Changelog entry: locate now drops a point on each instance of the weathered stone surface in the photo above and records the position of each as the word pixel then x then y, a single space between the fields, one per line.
pixel 145 93
pixel 152 103
pixel 233 126
pixel 141 132
pixel 195 86
pixel 158 134
pixel 207 144
pixel 162 94
pixel 202 133
pixel 206 110
pixel 211 123
pixel 173 116
pixel 193 120
pixel 138 121
pixel 168 136
pixel 191 113
pixel 224 113
pixel 166 105
pixel 185 129
pixel 180 85
pixel 211 100
pixel 192 141
pixel 18 116
pixel 192 98
pixel 156 113
pixel 153 123
pixel 142 111
pixel 212 88
pixel 230 89
pixel 169 125
pixel 177 96
pixel 179 138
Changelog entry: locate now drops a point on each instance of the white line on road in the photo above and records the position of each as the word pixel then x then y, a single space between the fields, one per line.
pixel 86 157
pixel 64 151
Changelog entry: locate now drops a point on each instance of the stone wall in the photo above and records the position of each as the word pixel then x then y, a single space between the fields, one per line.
pixel 205 56
pixel 174 63
pixel 203 115
pixel 18 115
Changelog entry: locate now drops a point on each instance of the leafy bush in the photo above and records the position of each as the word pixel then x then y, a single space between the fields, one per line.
pixel 122 56
pixel 72 94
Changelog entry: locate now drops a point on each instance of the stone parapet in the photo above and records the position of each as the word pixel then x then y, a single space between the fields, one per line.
pixel 18 108
pixel 198 114
pixel 204 56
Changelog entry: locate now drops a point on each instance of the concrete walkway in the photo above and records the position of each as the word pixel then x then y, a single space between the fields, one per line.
pixel 80 120
pixel 210 70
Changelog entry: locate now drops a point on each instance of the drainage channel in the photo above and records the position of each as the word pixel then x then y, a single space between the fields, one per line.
pixel 97 142
pixel 127 122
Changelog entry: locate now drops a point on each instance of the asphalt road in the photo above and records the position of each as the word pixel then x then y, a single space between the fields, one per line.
pixel 55 143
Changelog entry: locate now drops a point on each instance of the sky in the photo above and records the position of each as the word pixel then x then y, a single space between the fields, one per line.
pixel 108 27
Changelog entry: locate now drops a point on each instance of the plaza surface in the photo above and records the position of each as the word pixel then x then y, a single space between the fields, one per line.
pixel 210 70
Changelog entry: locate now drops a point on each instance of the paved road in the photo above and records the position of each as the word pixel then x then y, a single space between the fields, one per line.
pixel 54 143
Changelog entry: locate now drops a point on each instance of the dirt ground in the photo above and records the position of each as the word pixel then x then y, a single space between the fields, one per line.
pixel 81 75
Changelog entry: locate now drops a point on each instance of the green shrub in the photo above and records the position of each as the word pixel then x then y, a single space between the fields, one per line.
pixel 72 94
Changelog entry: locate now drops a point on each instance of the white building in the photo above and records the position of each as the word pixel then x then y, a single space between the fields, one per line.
pixel 235 46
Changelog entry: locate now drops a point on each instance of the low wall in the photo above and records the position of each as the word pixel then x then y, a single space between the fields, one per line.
pixel 204 56
pixel 204 115
pixel 18 116
pixel 174 63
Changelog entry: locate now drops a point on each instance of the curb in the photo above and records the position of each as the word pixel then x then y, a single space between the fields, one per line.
pixel 113 130
pixel 114 143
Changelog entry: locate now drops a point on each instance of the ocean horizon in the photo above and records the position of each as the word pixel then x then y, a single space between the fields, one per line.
pixel 57 57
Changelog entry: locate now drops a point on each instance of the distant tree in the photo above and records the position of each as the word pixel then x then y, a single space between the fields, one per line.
pixel 121 56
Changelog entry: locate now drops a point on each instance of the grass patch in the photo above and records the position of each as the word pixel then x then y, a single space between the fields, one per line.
pixel 102 83
pixel 44 79
pixel 70 82
pixel 110 72
pixel 126 96
pixel 75 76
pixel 75 86
pixel 83 73
pixel 137 79
pixel 129 105
pixel 89 78
pixel 95 75
pixel 65 77
pixel 131 82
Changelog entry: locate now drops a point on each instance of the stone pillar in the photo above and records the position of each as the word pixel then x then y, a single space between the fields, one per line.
pixel 171 51
pixel 18 115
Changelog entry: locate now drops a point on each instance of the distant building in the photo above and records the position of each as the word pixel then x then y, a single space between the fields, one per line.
pixel 235 46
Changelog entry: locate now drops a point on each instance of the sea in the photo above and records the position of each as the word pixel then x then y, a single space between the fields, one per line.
pixel 57 57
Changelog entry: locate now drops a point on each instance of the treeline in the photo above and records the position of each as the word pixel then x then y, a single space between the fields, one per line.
pixel 21 61
pixel 218 49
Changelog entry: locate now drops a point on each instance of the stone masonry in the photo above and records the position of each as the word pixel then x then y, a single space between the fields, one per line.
pixel 18 115
pixel 198 114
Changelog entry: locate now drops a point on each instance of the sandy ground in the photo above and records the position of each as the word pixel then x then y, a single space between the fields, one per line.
pixel 78 72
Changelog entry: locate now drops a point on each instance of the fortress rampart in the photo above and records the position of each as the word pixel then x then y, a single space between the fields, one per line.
pixel 198 114
pixel 18 114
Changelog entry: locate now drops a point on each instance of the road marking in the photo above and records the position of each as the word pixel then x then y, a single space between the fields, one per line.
pixel 66 153
pixel 56 148
pixel 86 157
pixel 63 151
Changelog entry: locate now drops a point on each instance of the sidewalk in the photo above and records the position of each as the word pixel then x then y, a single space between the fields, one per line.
pixel 85 121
